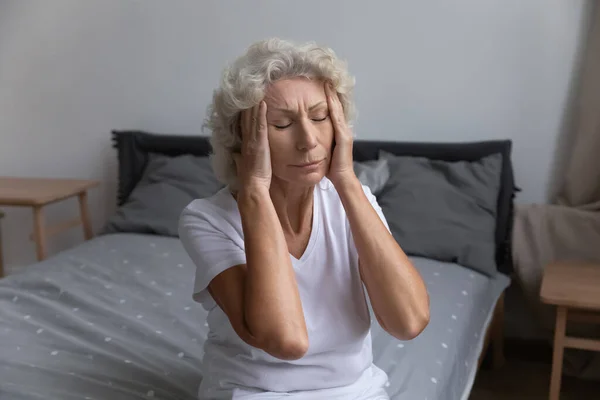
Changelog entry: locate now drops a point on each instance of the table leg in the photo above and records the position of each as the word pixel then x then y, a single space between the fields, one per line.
pixel 559 347
pixel 85 215
pixel 39 232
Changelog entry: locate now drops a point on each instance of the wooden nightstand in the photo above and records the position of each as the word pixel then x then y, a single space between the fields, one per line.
pixel 575 289
pixel 39 192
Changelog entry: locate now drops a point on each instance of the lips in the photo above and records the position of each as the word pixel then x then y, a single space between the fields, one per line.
pixel 311 164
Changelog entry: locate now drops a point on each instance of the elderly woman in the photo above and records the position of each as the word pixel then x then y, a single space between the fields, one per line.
pixel 283 250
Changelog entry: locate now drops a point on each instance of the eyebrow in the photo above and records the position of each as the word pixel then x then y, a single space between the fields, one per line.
pixel 288 111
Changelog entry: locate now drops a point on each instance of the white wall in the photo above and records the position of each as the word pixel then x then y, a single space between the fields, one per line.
pixel 70 71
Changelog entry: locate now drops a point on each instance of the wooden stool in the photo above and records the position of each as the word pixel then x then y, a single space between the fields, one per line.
pixel 39 192
pixel 575 289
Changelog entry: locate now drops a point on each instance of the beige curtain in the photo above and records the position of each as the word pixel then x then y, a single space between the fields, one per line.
pixel 580 183
pixel 569 227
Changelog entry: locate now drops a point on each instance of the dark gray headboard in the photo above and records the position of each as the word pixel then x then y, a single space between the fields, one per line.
pixel 133 148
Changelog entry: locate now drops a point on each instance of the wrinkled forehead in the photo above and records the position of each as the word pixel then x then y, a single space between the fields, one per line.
pixel 294 92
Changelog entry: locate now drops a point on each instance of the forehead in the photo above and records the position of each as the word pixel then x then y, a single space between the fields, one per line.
pixel 295 90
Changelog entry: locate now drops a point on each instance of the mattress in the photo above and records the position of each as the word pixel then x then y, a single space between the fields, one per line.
pixel 113 318
pixel 441 363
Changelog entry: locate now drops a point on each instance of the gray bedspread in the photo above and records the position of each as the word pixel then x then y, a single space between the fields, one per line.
pixel 113 318
pixel 440 364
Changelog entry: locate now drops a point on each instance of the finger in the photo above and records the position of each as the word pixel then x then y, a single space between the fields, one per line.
pixel 246 124
pixel 261 126
pixel 327 90
pixel 335 97
pixel 335 110
pixel 330 93
pixel 254 129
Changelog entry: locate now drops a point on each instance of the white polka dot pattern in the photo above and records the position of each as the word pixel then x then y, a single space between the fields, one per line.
pixel 115 316
pixel 461 302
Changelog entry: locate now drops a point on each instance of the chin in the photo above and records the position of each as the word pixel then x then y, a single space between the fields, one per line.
pixel 312 179
pixel 309 179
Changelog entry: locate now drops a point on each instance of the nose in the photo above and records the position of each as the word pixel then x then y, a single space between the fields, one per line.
pixel 306 136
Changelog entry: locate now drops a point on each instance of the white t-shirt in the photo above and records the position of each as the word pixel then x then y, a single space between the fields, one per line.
pixel 338 363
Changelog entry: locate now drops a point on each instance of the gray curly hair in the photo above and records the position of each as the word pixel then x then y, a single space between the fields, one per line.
pixel 243 85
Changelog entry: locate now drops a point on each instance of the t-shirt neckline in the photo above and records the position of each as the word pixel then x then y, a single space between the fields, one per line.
pixel 314 232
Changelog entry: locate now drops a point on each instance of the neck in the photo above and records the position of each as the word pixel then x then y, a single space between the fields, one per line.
pixel 293 203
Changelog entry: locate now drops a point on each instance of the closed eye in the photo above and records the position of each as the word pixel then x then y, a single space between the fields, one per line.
pixel 282 126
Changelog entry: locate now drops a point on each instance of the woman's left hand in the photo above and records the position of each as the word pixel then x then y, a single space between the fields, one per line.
pixel 341 168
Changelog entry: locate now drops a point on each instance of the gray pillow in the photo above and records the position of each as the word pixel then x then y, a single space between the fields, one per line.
pixel 444 210
pixel 373 173
pixel 167 186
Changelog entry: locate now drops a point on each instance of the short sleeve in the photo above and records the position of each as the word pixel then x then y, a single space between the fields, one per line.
pixel 209 243
pixel 375 204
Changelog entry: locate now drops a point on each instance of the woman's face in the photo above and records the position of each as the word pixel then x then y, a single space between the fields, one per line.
pixel 300 130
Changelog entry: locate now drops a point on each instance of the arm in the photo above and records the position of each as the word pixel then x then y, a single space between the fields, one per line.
pixel 261 298
pixel 397 292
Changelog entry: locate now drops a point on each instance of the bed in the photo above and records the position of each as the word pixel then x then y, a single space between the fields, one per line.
pixel 113 318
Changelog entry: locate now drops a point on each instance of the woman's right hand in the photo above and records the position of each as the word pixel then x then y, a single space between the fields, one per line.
pixel 254 162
